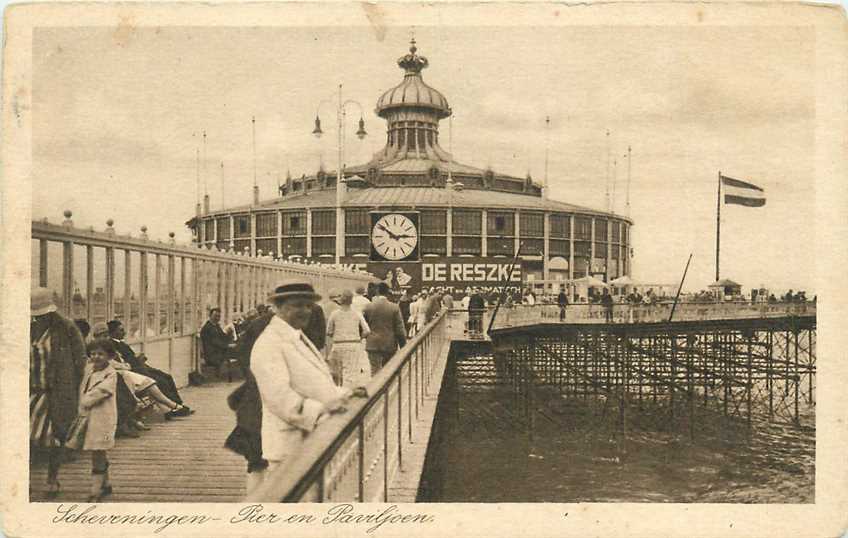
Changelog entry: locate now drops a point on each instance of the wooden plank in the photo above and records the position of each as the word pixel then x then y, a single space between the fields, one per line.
pixel 176 461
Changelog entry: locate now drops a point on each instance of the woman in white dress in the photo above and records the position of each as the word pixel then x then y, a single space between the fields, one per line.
pixel 412 322
pixel 140 385
pixel 346 354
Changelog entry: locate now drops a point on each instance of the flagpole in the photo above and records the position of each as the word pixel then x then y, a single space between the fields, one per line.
pixel 718 223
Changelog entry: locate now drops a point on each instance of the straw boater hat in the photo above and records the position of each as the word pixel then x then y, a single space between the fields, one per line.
pixel 294 288
pixel 41 302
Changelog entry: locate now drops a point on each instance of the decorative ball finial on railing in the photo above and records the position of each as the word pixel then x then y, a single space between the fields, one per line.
pixel 144 232
pixel 68 222
pixel 171 240
pixel 109 229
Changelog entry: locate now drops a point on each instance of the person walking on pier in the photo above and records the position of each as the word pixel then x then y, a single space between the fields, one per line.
pixel 476 308
pixel 99 414
pixel 246 437
pixel 387 329
pixel 562 301
pixel 294 381
pixel 347 356
pixel 56 361
pixel 360 301
pixel 404 303
pixel 606 302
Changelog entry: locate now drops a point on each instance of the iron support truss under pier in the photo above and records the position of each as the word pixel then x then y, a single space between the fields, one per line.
pixel 672 373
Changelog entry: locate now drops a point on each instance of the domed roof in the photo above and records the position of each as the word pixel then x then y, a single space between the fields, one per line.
pixel 413 92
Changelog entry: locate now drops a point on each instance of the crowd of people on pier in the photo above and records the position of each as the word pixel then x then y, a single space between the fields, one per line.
pixel 303 361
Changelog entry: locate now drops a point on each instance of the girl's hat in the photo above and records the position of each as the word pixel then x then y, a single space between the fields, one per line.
pixel 41 302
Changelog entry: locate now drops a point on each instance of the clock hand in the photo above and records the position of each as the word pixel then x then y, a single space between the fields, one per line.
pixel 393 236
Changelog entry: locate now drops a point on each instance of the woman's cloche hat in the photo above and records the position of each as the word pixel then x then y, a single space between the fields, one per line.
pixel 41 302
pixel 294 288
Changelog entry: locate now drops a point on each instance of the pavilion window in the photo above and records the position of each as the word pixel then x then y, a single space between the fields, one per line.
pixel 467 246
pixel 560 225
pixel 582 249
pixel 324 222
pixel 357 245
pixel 501 223
pixel 210 230
pixel 433 223
pixel 241 226
pixel 357 232
pixel 267 246
pixel 581 267
pixel 583 228
pixel 600 229
pixel 616 232
pixel 241 245
pixel 294 246
pixel 357 221
pixel 433 229
pixel 433 245
pixel 324 246
pixel 467 222
pixel 294 223
pixel 266 225
pixel 533 247
pixel 532 225
pixel 559 247
pixel 223 228
pixel 500 246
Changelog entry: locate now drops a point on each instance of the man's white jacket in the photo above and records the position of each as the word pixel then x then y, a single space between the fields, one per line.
pixel 294 383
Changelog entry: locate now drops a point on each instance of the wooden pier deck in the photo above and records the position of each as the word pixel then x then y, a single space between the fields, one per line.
pixel 183 460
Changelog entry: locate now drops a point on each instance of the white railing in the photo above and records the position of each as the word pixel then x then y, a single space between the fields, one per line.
pixel 161 291
pixel 354 456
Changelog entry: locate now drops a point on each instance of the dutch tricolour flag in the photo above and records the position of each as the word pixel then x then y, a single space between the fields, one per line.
pixel 742 193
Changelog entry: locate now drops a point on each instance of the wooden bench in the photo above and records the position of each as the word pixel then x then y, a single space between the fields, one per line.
pixel 230 364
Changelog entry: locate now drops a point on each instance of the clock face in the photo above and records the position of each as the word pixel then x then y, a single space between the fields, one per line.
pixel 394 236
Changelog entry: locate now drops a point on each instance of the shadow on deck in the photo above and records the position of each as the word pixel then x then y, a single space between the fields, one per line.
pixel 183 460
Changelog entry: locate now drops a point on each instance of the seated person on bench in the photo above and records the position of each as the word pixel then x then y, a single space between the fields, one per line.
pixel 138 364
pixel 218 345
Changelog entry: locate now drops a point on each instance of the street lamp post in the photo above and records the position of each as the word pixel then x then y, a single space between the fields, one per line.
pixel 340 118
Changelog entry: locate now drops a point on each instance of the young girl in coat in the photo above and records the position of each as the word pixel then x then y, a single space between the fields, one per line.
pixel 97 401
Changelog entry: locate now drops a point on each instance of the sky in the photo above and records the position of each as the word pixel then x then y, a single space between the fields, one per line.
pixel 117 115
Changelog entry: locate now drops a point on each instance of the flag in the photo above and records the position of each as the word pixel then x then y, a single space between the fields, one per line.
pixel 742 193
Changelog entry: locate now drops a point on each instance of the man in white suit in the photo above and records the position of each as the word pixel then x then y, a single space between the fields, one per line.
pixel 294 382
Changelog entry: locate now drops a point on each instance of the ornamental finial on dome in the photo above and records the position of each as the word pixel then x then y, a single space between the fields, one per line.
pixel 412 63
